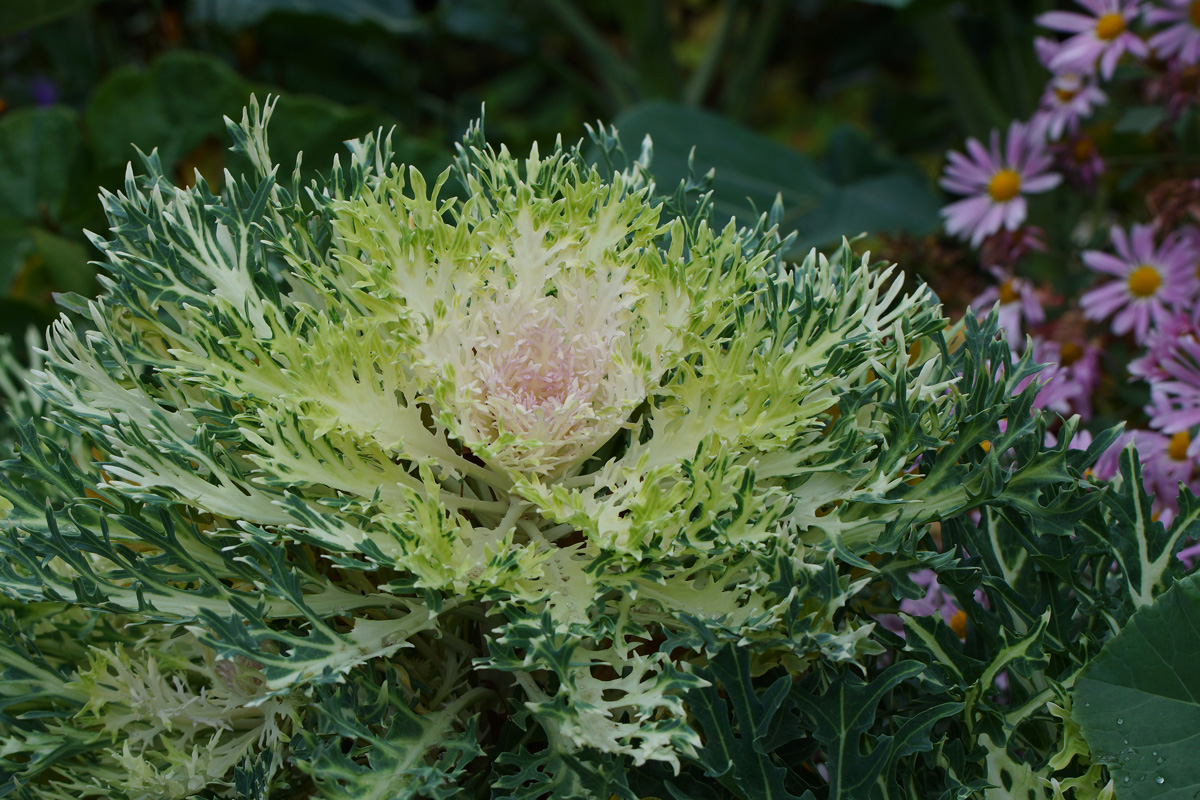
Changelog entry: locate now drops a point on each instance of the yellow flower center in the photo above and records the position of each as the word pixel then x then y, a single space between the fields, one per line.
pixel 1069 353
pixel 1178 447
pixel 1110 26
pixel 1144 281
pixel 1066 95
pixel 958 624
pixel 1083 148
pixel 1004 185
pixel 1007 293
pixel 1194 13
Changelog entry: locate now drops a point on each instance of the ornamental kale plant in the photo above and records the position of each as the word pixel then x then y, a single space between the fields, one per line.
pixel 534 482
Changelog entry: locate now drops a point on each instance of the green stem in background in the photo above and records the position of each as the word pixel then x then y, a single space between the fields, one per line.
pixel 648 30
pixel 1016 47
pixel 973 101
pixel 754 51
pixel 17 17
pixel 618 76
pixel 698 84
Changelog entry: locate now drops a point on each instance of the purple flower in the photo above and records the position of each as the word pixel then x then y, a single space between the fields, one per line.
pixel 1172 367
pixel 1081 361
pixel 1190 554
pixel 1046 49
pixel 1166 462
pixel 1016 304
pixel 1082 440
pixel 1101 36
pixel 1108 464
pixel 1069 98
pixel 1069 377
pixel 1167 349
pixel 936 601
pixel 1173 87
pixel 1150 278
pixel 1005 248
pixel 1079 160
pixel 43 91
pixel 1182 38
pixel 996 182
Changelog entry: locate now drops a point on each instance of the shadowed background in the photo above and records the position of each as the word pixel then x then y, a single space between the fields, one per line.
pixel 843 107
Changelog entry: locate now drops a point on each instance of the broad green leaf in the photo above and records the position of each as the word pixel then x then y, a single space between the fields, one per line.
pixel 177 105
pixel 1141 119
pixel 751 170
pixel 318 128
pixel 66 260
pixel 16 244
pixel 173 106
pixel 38 147
pixel 20 315
pixel 21 15
pixel 1138 702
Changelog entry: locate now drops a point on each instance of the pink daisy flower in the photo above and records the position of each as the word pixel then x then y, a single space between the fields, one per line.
pixel 1101 36
pixel 1016 305
pixel 1069 98
pixel 1190 554
pixel 1109 462
pixel 1081 361
pixel 1149 277
pixel 936 599
pixel 1182 38
pixel 1005 248
pixel 996 182
pixel 1166 349
pixel 1082 440
pixel 1166 463
pixel 1068 379
pixel 1079 160
pixel 1046 50
pixel 1172 367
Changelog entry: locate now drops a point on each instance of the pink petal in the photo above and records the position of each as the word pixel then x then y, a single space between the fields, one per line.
pixel 1142 244
pixel 1104 300
pixel 988 225
pixel 1106 263
pixel 1109 59
pixel 1041 183
pixel 981 155
pixel 1014 212
pixel 960 187
pixel 1014 147
pixel 1067 21
pixel 1078 54
pixel 1121 243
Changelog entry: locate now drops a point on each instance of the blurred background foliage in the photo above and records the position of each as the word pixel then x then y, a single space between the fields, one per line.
pixel 845 107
